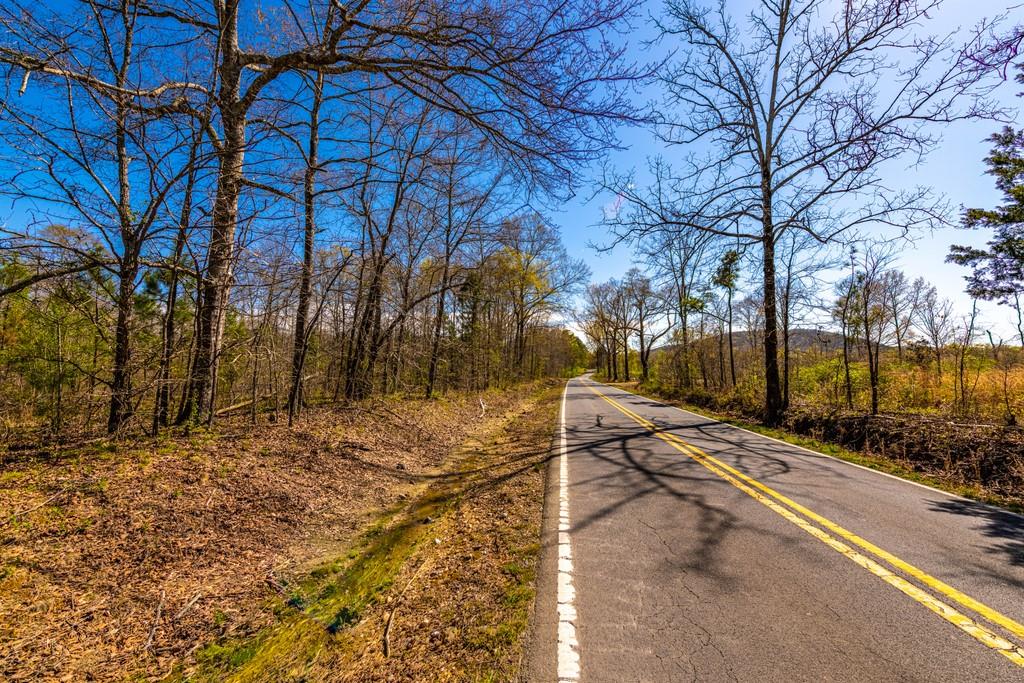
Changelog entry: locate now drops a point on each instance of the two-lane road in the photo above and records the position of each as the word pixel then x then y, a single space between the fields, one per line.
pixel 680 548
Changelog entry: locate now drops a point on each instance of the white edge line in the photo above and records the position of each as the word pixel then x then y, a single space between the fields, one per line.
pixel 568 647
pixel 818 453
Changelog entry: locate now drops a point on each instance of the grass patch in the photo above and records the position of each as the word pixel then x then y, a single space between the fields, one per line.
pixel 330 599
pixel 330 619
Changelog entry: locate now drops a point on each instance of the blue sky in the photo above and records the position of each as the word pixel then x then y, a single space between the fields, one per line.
pixel 955 169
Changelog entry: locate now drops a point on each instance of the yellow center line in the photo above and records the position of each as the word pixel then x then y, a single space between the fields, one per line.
pixel 757 491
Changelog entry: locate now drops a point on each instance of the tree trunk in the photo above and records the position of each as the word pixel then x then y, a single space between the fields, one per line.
pixel 897 328
pixel 435 343
pixel 846 358
pixel 785 354
pixel 645 354
pixel 609 357
pixel 703 356
pixel 161 408
pixel 872 353
pixel 732 350
pixel 57 424
pixel 685 339
pixel 301 343
pixel 773 393
pixel 721 356
pixel 1020 317
pixel 625 355
pixel 216 281
pixel 361 359
pixel 121 408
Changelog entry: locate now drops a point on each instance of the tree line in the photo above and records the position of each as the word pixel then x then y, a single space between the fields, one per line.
pixel 870 340
pixel 784 120
pixel 222 206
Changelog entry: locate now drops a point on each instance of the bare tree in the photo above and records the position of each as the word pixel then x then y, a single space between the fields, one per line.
pixel 935 321
pixel 800 107
pixel 727 277
pixel 650 309
pixel 460 214
pixel 682 260
pixel 539 274
pixel 875 323
pixel 901 306
pixel 599 325
pixel 98 159
pixel 964 339
pixel 844 313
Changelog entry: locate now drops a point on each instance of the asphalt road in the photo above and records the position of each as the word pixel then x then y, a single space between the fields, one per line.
pixel 703 552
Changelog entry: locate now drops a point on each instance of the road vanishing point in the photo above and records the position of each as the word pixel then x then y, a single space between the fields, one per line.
pixel 679 548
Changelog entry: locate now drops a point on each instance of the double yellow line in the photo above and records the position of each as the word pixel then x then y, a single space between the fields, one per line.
pixel 802 517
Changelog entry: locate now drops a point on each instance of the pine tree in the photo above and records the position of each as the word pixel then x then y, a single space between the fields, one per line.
pixel 998 271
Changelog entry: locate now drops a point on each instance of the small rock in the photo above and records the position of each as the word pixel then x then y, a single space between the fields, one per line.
pixel 400 466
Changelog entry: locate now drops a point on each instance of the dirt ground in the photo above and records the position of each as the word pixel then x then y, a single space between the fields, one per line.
pixel 132 560
pixel 460 608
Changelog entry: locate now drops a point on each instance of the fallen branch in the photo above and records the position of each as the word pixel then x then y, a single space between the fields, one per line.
pixel 387 632
pixel 156 622
pixel 398 602
pixel 15 515
pixel 238 406
pixel 188 606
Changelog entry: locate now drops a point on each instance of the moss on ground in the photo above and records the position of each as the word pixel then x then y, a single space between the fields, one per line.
pixel 316 618
pixel 330 599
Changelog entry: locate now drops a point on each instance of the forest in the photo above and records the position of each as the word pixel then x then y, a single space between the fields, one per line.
pixel 221 210
pixel 280 300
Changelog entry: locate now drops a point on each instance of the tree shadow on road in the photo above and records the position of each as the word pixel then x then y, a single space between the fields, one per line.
pixel 630 468
pixel 1006 527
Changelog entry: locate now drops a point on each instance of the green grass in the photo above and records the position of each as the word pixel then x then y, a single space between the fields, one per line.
pixel 513 618
pixel 329 600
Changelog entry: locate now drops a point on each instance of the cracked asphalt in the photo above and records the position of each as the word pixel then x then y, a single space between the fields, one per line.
pixel 681 576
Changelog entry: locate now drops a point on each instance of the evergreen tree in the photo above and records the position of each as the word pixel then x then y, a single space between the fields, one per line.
pixel 998 271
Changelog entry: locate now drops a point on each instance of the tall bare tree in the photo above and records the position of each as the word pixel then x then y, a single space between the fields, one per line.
pixel 651 309
pixel 799 108
pixel 100 159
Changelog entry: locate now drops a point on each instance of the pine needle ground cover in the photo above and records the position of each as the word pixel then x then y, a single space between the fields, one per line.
pixel 259 553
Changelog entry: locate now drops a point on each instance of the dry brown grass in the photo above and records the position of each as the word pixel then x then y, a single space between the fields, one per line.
pixel 121 559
